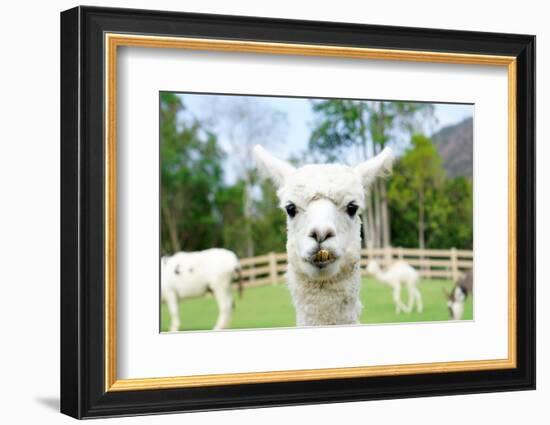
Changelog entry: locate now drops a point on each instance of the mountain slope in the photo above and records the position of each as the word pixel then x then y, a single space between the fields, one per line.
pixel 455 145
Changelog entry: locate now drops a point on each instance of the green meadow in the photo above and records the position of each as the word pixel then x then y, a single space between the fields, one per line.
pixel 271 307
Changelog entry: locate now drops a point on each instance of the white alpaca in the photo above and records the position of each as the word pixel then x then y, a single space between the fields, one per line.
pixel 397 275
pixel 323 204
pixel 192 274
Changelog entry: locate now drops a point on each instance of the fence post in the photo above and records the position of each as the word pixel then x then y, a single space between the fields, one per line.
pixel 388 255
pixel 424 272
pixel 370 255
pixel 273 276
pixel 253 267
pixel 454 265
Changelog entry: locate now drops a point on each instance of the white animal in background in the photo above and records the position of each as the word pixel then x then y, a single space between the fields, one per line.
pixel 323 203
pixel 192 274
pixel 397 275
pixel 457 297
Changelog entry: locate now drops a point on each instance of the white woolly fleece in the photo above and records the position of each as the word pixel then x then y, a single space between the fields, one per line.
pixel 334 301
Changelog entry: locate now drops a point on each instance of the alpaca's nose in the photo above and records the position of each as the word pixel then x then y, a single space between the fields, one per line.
pixel 321 234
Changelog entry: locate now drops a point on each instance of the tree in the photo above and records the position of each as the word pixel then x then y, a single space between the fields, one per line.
pixel 191 175
pixel 429 209
pixel 450 222
pixel 170 105
pixel 231 215
pixel 269 225
pixel 425 173
pixel 341 125
pixel 361 129
pixel 246 122
pixel 386 120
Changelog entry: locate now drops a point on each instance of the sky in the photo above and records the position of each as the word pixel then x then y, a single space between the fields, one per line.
pixel 294 131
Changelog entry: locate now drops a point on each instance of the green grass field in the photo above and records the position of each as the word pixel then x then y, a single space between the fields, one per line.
pixel 270 306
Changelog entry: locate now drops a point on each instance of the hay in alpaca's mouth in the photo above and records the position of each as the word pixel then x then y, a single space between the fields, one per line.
pixel 322 258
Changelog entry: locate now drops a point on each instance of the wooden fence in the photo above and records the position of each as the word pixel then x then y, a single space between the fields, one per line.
pixel 431 263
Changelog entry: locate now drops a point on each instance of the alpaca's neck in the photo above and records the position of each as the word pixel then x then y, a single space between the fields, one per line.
pixel 379 274
pixel 333 301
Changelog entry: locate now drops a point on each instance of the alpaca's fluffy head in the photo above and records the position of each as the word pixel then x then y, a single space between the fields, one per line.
pixel 323 203
pixel 373 267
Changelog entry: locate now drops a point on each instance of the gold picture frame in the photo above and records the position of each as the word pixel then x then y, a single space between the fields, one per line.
pixel 114 41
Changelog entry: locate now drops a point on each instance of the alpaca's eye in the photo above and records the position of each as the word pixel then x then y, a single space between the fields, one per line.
pixel 351 209
pixel 291 209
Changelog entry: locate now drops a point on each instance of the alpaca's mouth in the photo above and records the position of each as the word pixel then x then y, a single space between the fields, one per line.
pixel 322 258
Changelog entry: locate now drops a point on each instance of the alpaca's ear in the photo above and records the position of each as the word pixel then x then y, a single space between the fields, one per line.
pixel 378 166
pixel 271 167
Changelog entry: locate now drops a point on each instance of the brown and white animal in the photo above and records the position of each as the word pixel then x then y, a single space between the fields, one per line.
pixel 457 297
pixel 323 203
pixel 397 275
pixel 192 274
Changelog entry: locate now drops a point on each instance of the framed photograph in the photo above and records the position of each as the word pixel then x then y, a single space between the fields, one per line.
pixel 261 212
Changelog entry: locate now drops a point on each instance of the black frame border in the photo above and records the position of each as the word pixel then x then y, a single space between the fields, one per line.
pixel 82 212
